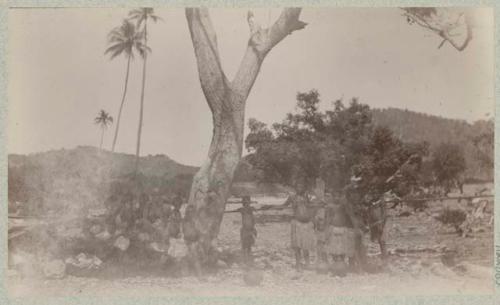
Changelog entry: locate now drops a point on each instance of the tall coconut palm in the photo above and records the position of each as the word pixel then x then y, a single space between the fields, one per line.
pixel 124 39
pixel 103 119
pixel 141 16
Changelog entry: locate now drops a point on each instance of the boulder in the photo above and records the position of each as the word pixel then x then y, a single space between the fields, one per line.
pixel 221 264
pixel 158 247
pixel 122 243
pixel 84 261
pixel 95 229
pixel 70 233
pixel 177 249
pixel 104 235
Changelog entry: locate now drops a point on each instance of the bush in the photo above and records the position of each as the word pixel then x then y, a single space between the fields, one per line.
pixel 453 217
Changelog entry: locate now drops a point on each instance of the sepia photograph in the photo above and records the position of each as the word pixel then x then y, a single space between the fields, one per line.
pixel 246 152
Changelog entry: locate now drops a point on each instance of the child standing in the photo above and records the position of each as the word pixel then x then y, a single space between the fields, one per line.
pixel 248 233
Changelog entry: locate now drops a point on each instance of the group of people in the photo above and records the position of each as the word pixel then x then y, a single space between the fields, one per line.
pixel 330 228
pixel 148 217
pixel 155 219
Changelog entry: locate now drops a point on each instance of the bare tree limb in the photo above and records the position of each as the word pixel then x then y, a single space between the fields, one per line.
pixel 260 43
pixel 212 78
pixel 423 21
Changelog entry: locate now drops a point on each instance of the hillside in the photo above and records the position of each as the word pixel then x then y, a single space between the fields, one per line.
pixel 82 176
pixel 416 127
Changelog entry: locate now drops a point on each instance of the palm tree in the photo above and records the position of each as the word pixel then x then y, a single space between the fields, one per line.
pixel 103 119
pixel 124 40
pixel 141 16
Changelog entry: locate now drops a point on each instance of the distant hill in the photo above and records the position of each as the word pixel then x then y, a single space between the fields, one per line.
pixel 88 159
pixel 412 126
pixel 82 176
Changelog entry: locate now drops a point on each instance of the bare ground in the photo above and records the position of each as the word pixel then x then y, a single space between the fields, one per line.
pixel 417 244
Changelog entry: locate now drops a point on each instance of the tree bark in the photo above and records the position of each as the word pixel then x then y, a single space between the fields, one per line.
pixel 226 99
pixel 141 111
pixel 121 106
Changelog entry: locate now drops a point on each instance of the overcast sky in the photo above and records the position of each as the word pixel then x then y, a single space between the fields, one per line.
pixel 59 78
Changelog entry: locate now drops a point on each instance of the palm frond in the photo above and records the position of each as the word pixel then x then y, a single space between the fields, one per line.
pixel 122 39
pixel 115 50
pixel 141 14
pixel 103 118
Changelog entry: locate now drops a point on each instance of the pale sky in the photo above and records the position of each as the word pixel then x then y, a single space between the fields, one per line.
pixel 59 78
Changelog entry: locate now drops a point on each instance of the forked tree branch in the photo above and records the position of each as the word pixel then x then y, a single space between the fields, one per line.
pixel 260 43
pixel 214 83
pixel 443 33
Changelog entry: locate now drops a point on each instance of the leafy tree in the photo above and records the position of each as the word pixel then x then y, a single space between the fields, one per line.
pixel 103 119
pixel 124 40
pixel 449 164
pixel 334 145
pixel 142 16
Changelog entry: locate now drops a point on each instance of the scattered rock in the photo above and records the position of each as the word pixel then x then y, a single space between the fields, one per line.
pixel 177 249
pixel 70 233
pixel 104 235
pixel 158 247
pixel 221 264
pixel 93 213
pixel 54 269
pixel 122 243
pixel 441 270
pixel 83 261
pixel 95 229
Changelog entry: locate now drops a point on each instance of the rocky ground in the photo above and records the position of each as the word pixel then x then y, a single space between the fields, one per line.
pixel 426 257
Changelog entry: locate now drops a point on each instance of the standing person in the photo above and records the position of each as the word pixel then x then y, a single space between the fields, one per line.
pixel 175 219
pixel 355 207
pixel 191 238
pixel 248 233
pixel 341 237
pixel 320 228
pixel 302 228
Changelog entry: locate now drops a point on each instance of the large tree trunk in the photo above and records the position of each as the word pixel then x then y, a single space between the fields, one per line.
pixel 226 99
pixel 121 106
